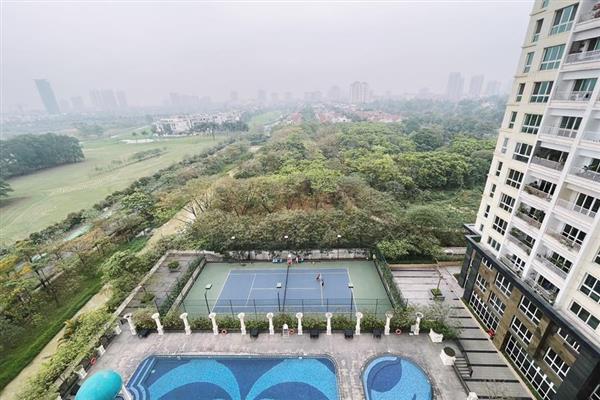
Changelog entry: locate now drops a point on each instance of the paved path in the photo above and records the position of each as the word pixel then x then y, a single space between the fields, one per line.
pixel 492 375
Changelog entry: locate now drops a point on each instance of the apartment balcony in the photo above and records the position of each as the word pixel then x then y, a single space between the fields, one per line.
pixel 586 173
pixel 516 239
pixel 591 137
pixel 577 96
pixel 555 165
pixel 592 14
pixel 548 294
pixel 570 206
pixel 569 244
pixel 551 266
pixel 511 265
pixel 584 56
pixel 528 219
pixel 557 131
pixel 537 192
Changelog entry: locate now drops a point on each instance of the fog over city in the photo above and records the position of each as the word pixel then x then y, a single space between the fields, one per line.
pixel 149 49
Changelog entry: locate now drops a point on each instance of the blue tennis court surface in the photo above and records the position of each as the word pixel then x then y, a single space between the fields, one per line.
pixel 255 290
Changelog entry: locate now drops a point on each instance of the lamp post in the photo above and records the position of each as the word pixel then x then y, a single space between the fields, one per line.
pixel 278 298
pixel 234 252
pixel 338 245
pixel 285 240
pixel 351 287
pixel 206 289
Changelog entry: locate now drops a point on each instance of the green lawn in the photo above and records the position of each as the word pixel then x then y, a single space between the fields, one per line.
pixel 46 197
pixel 258 121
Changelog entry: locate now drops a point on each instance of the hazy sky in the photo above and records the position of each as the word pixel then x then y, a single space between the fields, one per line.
pixel 150 49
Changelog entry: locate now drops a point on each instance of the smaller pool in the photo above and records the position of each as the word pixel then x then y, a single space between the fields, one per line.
pixel 395 378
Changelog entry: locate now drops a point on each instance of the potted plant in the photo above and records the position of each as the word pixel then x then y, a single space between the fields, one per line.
pixel 437 294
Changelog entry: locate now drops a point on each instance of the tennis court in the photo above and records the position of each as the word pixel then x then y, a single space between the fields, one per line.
pixel 249 289
pixel 230 288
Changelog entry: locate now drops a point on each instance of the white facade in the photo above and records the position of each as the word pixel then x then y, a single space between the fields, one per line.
pixel 540 209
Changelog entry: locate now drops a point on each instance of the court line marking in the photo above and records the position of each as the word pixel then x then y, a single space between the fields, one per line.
pixel 221 291
pixel 250 291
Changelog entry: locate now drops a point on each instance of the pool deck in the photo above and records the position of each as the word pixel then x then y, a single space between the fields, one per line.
pixel 351 355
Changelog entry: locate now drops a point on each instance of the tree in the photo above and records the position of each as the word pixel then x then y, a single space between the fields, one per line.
pixel 5 188
pixel 140 203
pixel 428 138
pixel 119 264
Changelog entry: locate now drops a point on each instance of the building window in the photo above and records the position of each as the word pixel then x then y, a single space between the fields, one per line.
pixel 493 243
pixel 487 263
pixel 480 283
pixel 520 91
pixel 531 123
pixel 596 394
pixel 537 30
pixel 568 339
pixel 527 366
pixel 556 363
pixel 504 146
pixel 587 205
pixel 568 126
pixel 503 284
pixel 499 168
pixel 520 330
pixel 584 315
pixel 514 178
pixel 591 288
pixel 500 225
pixel 528 61
pixel 486 212
pixel 541 92
pixel 597 259
pixel 480 227
pixel 573 235
pixel 522 152
pixel 583 89
pixel 513 118
pixel 545 3
pixel 517 263
pixel 492 190
pixel 560 262
pixel 563 19
pixel 506 202
pixel 488 319
pixel 530 310
pixel 551 57
pixel 497 305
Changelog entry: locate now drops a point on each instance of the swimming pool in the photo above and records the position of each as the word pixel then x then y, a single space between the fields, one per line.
pixel 234 378
pixel 395 378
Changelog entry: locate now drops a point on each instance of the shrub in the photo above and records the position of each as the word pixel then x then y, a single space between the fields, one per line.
pixel 201 323
pixel 370 322
pixel 173 265
pixel 147 298
pixel 436 292
pixel 280 319
pixel 314 323
pixel 172 321
pixel 340 322
pixel 143 318
pixel 258 324
pixel 228 322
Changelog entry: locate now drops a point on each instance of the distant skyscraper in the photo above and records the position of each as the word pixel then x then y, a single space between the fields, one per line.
pixel 359 92
pixel 456 82
pixel 47 95
pixel 77 103
pixel 475 86
pixel 96 99
pixel 492 88
pixel 109 102
pixel 122 99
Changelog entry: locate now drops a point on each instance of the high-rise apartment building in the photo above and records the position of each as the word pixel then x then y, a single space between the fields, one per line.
pixel 475 86
pixel 455 87
pixel 122 99
pixel 359 92
pixel 47 96
pixel 532 269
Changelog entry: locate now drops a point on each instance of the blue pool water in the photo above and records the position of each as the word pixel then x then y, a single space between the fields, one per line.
pixel 395 378
pixel 234 378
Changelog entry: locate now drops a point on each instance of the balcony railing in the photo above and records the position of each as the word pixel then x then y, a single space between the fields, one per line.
pixel 583 56
pixel 568 243
pixel 586 173
pixel 591 136
pixel 558 166
pixel 537 192
pixel 587 16
pixel 582 95
pixel 520 157
pixel 528 219
pixel 548 295
pixel 511 265
pixel 558 131
pixel 579 209
pixel 550 265
pixel 522 245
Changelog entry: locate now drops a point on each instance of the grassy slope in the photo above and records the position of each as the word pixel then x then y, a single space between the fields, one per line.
pixel 46 197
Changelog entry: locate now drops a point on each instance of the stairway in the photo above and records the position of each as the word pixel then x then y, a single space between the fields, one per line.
pixel 463 367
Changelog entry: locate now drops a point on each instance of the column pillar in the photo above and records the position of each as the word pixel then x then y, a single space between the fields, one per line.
pixel 271 327
pixel 299 317
pixel 388 318
pixel 159 327
pixel 242 324
pixel 129 319
pixel 328 315
pixel 213 319
pixel 186 323
pixel 359 316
